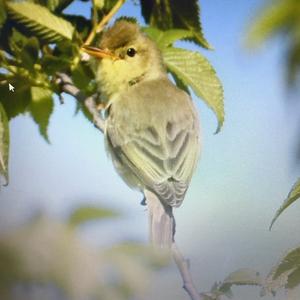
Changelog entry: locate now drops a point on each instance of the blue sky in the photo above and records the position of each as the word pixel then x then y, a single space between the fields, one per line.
pixel 244 174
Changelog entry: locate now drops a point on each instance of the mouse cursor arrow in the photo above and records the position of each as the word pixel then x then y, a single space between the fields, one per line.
pixel 11 88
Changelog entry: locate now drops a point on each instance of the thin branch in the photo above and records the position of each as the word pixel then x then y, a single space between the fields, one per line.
pixel 89 102
pixel 104 21
pixel 183 267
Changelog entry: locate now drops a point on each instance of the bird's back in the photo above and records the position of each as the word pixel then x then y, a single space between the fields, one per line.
pixel 153 135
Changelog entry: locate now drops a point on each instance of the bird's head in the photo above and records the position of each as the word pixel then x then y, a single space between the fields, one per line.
pixel 125 57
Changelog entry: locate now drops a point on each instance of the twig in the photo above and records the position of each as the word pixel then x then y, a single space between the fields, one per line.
pixel 104 21
pixel 68 87
pixel 183 267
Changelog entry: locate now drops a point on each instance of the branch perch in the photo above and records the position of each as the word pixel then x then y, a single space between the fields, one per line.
pixel 183 267
pixel 89 102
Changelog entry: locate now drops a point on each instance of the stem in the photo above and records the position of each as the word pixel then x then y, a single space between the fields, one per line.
pixel 104 21
pixel 183 267
pixel 68 87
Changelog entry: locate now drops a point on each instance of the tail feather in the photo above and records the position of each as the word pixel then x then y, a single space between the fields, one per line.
pixel 161 221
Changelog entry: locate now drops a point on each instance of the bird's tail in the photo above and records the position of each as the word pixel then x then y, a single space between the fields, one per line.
pixel 161 221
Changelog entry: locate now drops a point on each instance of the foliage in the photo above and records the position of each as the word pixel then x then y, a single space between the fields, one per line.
pixel 169 14
pixel 39 21
pixel 280 18
pixel 191 69
pixel 38 40
pixel 194 70
pixel 49 255
pixel 239 277
pixel 293 195
pixel 285 274
pixel 88 213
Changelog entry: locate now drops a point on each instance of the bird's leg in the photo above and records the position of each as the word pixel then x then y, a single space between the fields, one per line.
pixel 143 202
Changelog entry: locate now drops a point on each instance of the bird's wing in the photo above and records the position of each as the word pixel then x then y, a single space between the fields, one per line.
pixel 163 156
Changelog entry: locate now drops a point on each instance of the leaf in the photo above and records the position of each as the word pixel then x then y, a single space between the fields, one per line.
pixel 239 277
pixel 99 4
pixel 25 50
pixel 167 14
pixel 90 213
pixel 82 76
pixel 289 262
pixel 83 26
pixel 4 143
pixel 286 273
pixel 153 33
pixel 166 38
pixel 274 18
pixel 293 62
pixel 293 195
pixel 41 107
pixel 243 277
pixel 173 35
pixel 50 4
pixel 294 279
pixel 2 13
pixel 16 103
pixel 40 21
pixel 195 71
pixel 180 83
pixel 52 64
pixel 16 42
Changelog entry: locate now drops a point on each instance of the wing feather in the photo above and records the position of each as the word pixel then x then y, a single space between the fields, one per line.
pixel 162 154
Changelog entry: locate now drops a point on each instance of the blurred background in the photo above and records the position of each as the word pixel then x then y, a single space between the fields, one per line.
pixel 244 174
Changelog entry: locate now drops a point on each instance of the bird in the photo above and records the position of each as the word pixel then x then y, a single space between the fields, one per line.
pixel 152 131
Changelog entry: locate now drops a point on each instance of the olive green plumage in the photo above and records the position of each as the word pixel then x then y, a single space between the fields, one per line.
pixel 152 130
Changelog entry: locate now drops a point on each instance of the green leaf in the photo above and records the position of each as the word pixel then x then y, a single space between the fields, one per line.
pixel 167 14
pixel 25 50
pixel 293 195
pixel 277 17
pixel 243 277
pixel 83 26
pixel 239 277
pixel 82 76
pixel 40 21
pixel 153 33
pixel 286 273
pixel 2 13
pixel 180 83
pixel 173 35
pixel 293 62
pixel 41 107
pixel 99 4
pixel 15 103
pixel 4 143
pixel 166 38
pixel 90 213
pixel 52 64
pixel 50 4
pixel 294 279
pixel 195 71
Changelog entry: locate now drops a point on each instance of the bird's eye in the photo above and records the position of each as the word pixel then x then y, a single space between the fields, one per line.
pixel 131 52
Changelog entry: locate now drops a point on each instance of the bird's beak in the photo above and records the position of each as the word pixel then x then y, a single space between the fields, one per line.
pixel 99 53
